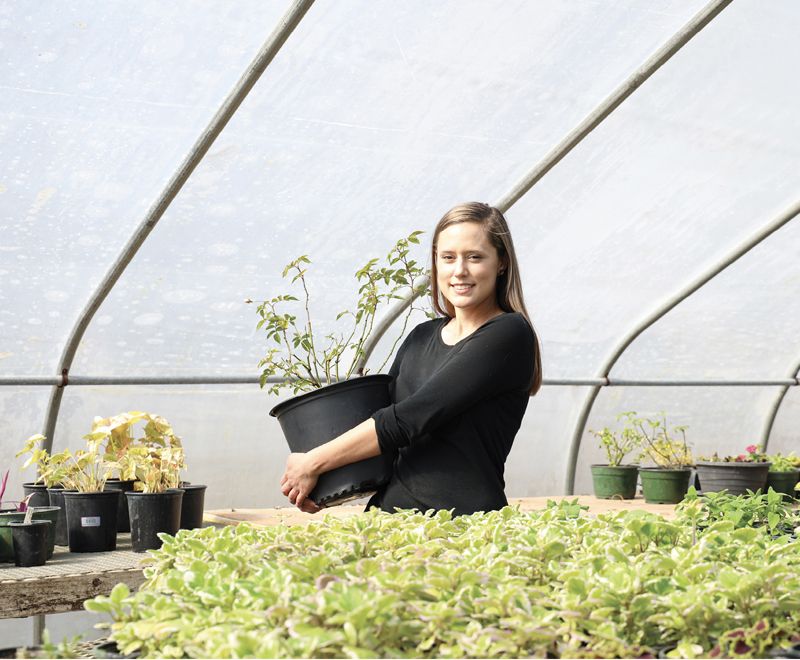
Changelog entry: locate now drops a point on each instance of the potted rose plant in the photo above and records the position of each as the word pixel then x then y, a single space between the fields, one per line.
pixel 614 480
pixel 668 480
pixel 736 474
pixel 322 371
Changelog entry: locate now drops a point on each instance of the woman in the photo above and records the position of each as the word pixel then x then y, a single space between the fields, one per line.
pixel 462 382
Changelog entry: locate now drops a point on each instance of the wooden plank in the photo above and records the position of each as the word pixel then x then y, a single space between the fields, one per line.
pixel 61 593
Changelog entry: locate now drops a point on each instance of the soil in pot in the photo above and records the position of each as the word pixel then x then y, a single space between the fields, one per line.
pixel 736 478
pixel 615 482
pixel 123 521
pixel 92 521
pixel 56 496
pixel 151 513
pixel 30 542
pixel 194 496
pixel 39 513
pixel 39 492
pixel 664 486
pixel 312 419
pixel 783 482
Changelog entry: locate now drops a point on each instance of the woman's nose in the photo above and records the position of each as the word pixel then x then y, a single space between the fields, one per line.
pixel 461 266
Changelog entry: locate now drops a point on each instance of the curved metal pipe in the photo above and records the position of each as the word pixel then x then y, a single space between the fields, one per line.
pixel 794 372
pixel 649 319
pixel 265 55
pixel 569 142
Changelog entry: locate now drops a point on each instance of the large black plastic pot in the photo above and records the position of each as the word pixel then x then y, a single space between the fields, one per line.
pixel 151 513
pixel 30 542
pixel 92 520
pixel 736 478
pixel 39 492
pixel 194 496
pixel 56 496
pixel 123 521
pixel 312 419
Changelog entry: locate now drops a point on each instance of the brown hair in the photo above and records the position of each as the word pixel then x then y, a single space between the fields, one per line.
pixel 509 284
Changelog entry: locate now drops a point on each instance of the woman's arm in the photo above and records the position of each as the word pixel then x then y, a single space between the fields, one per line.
pixel 303 469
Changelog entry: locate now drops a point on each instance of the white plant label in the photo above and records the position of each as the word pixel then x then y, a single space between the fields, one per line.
pixel 90 521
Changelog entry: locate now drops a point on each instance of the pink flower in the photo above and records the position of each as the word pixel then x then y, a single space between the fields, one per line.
pixel 752 449
pixel 742 457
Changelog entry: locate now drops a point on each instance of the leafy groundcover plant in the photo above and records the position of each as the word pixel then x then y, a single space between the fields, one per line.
pixel 502 584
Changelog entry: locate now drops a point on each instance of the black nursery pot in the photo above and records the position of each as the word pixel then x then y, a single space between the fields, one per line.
pixel 312 419
pixel 30 542
pixel 194 496
pixel 39 492
pixel 122 486
pixel 56 496
pixel 151 513
pixel 92 521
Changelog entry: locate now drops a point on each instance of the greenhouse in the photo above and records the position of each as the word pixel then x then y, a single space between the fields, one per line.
pixel 218 220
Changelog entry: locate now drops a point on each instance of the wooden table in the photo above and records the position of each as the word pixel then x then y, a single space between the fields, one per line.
pixel 292 516
pixel 67 580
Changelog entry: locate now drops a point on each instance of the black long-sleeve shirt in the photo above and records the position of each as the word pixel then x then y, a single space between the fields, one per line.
pixel 456 411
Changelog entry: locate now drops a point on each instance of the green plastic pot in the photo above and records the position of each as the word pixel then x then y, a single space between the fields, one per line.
pixel 615 482
pixel 783 482
pixel 39 513
pixel 664 486
pixel 736 478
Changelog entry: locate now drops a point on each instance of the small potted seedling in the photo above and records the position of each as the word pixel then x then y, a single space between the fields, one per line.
pixel 323 371
pixel 667 481
pixel 614 480
pixel 11 512
pixel 40 458
pixel 29 538
pixel 736 474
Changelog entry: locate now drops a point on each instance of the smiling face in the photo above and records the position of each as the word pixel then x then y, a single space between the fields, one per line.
pixel 467 266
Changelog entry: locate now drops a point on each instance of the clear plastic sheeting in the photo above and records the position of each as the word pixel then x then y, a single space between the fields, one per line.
pixel 371 122
pixel 742 324
pixel 99 103
pixel 700 157
pixel 21 412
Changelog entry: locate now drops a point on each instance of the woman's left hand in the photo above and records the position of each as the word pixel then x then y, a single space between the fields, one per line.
pixel 299 479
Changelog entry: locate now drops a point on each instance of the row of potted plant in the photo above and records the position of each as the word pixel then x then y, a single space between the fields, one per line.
pixel 667 471
pixel 117 483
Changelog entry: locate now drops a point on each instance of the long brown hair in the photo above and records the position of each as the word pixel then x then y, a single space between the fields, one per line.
pixel 509 284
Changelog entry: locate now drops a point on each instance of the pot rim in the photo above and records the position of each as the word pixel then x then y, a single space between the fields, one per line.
pixel 351 383
pixel 22 523
pixel 732 464
pixel 664 469
pixel 627 466
pixel 94 493
pixel 138 493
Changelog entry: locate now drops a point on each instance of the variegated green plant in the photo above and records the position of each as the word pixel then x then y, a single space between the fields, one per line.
pixel 553 583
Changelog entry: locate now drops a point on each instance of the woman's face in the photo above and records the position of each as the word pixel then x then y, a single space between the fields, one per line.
pixel 467 266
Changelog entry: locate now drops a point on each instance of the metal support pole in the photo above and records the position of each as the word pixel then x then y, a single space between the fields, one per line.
pixel 649 319
pixel 38 629
pixel 567 144
pixel 794 372
pixel 273 44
